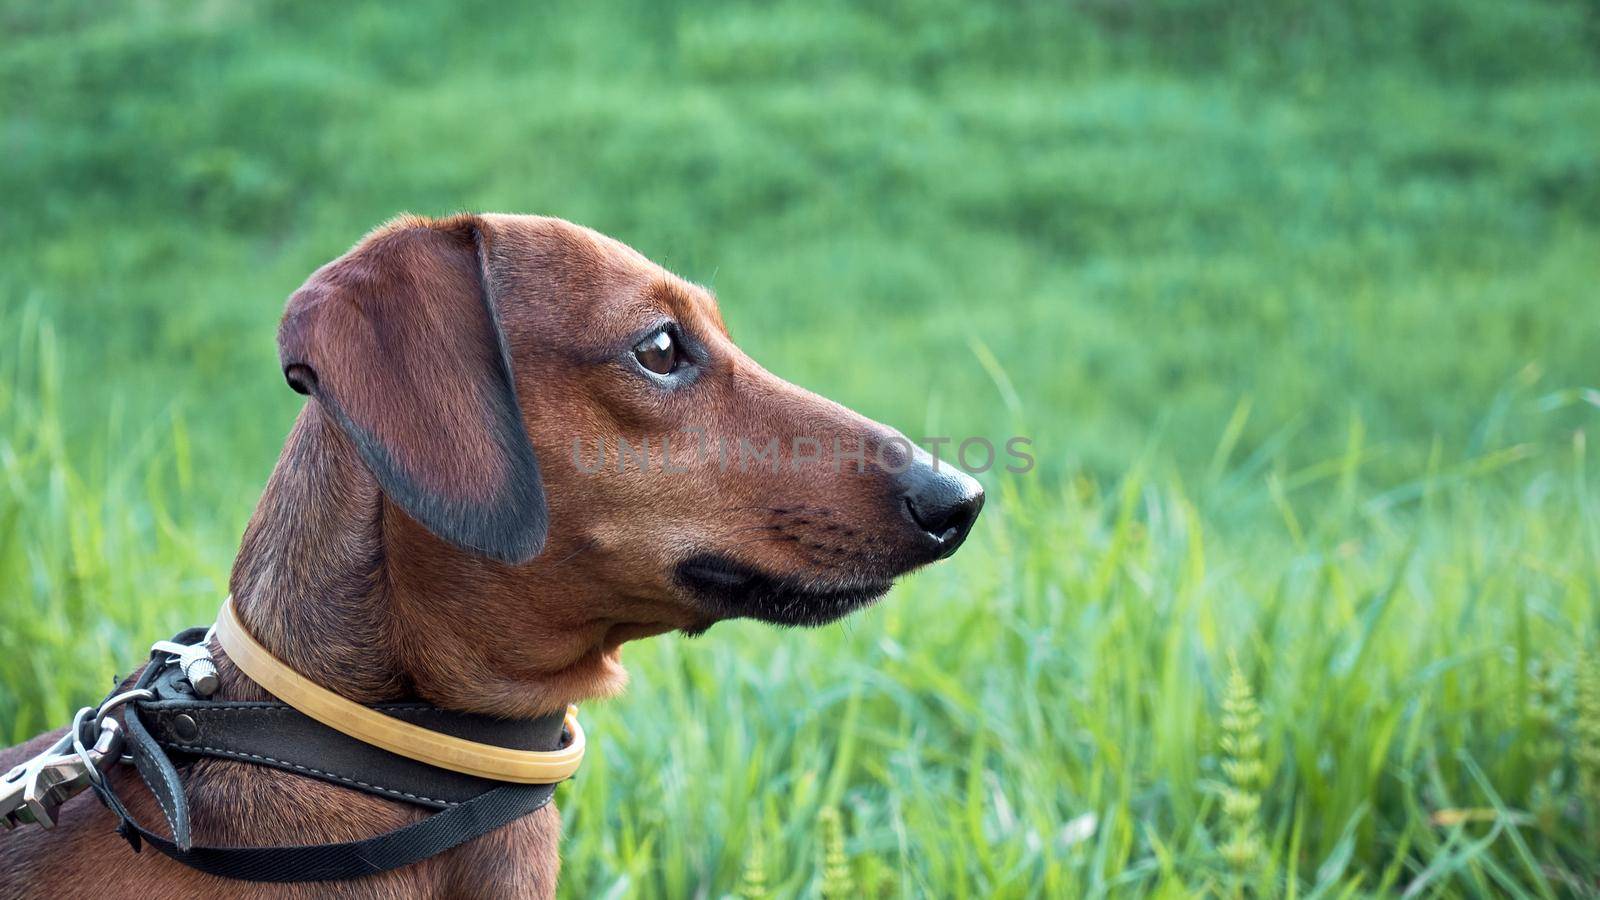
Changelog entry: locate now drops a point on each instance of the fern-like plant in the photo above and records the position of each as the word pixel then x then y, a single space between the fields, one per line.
pixel 753 875
pixel 836 881
pixel 1586 731
pixel 1246 774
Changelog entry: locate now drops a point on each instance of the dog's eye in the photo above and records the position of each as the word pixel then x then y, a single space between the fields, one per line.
pixel 658 352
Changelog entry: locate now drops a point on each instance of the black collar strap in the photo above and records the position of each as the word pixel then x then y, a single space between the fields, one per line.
pixel 392 733
pixel 174 727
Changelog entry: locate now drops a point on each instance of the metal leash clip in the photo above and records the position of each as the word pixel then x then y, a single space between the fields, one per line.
pixel 32 792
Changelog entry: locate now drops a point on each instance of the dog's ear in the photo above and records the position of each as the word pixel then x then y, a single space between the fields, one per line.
pixel 400 343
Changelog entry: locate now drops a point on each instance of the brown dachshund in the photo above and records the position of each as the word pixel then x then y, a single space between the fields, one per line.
pixel 526 445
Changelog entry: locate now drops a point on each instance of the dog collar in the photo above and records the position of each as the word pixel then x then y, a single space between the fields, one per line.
pixel 479 772
pixel 393 734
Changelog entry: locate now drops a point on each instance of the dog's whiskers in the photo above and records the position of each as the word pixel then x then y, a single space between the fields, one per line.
pixel 585 546
pixel 781 510
pixel 749 528
pixel 801 549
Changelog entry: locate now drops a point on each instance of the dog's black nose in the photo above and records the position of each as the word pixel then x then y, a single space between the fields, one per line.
pixel 942 500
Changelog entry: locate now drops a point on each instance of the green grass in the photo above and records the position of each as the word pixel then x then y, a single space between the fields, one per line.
pixel 1296 301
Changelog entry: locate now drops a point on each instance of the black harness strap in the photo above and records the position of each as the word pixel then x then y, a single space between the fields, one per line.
pixel 325 862
pixel 471 806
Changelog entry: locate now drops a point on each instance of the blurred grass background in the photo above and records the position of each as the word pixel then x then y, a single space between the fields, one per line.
pixel 1296 300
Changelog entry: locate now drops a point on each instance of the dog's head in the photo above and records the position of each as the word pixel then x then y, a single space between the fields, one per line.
pixel 564 429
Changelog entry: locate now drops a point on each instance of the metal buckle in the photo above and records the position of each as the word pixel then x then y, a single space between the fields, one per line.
pixel 195 662
pixel 32 792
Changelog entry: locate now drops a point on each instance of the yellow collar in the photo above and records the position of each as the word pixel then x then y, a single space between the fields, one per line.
pixel 391 734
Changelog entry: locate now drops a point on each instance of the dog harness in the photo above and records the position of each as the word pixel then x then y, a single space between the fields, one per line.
pixel 476 772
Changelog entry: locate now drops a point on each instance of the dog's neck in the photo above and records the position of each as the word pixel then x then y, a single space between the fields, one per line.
pixel 311 581
pixel 337 582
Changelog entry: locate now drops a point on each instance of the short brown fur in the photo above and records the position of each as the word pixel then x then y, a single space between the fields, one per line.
pixel 341 582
